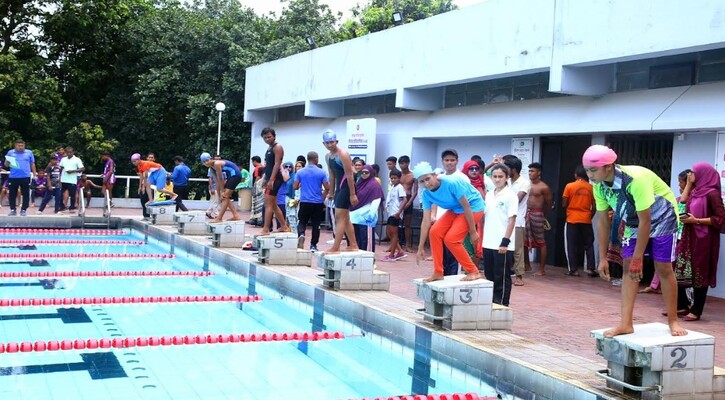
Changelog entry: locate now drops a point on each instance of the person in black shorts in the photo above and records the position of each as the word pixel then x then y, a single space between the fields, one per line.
pixel 342 188
pixel 272 180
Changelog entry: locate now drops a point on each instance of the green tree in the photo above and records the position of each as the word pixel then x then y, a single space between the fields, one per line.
pixel 301 19
pixel 377 15
pixel 18 20
pixel 89 141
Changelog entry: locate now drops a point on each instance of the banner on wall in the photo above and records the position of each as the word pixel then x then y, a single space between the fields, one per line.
pixel 523 148
pixel 361 138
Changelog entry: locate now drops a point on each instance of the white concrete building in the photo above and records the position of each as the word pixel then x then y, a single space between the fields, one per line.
pixel 646 77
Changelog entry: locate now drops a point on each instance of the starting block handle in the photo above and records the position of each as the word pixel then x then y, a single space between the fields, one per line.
pixel 327 280
pixel 604 374
pixel 422 312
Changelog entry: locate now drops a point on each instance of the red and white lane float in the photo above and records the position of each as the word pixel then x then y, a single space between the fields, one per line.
pixel 65 232
pixel 155 341
pixel 29 242
pixel 99 274
pixel 445 396
pixel 40 256
pixel 75 301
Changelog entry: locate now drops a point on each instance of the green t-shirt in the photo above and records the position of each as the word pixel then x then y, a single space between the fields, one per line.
pixel 647 191
pixel 246 183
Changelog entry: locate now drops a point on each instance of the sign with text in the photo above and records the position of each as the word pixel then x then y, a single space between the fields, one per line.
pixel 523 148
pixel 361 138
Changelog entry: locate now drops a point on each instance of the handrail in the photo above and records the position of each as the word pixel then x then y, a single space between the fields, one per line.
pixel 128 179
pixel 108 208
pixel 82 208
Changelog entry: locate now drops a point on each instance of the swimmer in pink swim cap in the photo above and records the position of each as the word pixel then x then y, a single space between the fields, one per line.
pixel 647 207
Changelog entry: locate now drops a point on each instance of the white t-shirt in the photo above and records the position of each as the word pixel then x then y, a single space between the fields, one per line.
pixel 440 211
pixel 499 208
pixel 70 164
pixel 396 196
pixel 488 183
pixel 521 185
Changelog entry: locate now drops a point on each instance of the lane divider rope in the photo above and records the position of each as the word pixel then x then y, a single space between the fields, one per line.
pixel 37 256
pixel 155 341
pixel 444 396
pixel 68 241
pixel 99 274
pixel 85 232
pixel 67 301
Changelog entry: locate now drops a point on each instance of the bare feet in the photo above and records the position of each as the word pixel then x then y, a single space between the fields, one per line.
pixel 472 277
pixel 540 273
pixel 620 330
pixel 332 250
pixel 519 281
pixel 433 278
pixel 676 329
pixel 409 250
pixel 235 219
pixel 215 221
pixel 264 232
pixel 174 197
pixel 283 229
pixel 351 248
pixel 649 289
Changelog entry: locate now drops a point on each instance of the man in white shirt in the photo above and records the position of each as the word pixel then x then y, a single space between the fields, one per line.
pixel 71 168
pixel 521 186
pixel 499 235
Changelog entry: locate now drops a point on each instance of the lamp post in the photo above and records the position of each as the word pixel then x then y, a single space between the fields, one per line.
pixel 219 107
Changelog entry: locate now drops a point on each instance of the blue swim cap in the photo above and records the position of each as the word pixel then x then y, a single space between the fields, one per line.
pixel 204 157
pixel 329 136
pixel 422 168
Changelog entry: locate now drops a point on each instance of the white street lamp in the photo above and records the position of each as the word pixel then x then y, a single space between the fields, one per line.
pixel 219 107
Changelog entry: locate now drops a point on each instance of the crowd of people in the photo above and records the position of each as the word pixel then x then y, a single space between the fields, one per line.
pixel 483 218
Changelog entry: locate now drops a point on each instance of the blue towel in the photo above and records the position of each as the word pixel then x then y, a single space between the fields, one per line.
pixel 162 203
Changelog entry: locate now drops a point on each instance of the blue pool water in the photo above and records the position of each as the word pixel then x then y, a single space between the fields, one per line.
pixel 353 367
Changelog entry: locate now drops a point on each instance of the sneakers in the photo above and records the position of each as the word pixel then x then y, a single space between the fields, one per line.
pixel 38 213
pixel 12 213
pixel 400 256
pixel 23 213
pixel 616 282
pixel 301 242
pixel 387 259
pixel 313 248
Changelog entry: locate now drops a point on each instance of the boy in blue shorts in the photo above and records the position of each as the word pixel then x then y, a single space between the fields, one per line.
pixel 648 208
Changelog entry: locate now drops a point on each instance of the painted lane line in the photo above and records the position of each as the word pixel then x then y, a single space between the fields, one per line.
pixel 99 274
pixel 153 341
pixel 67 301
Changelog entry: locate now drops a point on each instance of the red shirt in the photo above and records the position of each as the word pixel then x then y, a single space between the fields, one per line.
pixel 144 166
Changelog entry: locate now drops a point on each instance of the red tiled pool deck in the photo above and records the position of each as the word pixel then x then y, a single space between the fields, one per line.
pixel 554 309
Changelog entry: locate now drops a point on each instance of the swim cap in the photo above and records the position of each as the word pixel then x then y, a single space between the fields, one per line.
pixel 422 168
pixel 287 164
pixel 329 136
pixel 598 156
pixel 135 157
pixel 204 157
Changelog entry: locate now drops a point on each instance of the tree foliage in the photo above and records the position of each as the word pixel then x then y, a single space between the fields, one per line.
pixel 377 15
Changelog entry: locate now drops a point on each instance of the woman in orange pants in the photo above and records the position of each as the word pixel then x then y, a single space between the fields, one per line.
pixel 464 206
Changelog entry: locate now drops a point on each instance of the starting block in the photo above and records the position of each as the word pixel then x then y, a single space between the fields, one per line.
pixel 352 271
pixel 281 249
pixel 226 234
pixel 191 222
pixel 454 304
pixel 162 212
pixel 652 364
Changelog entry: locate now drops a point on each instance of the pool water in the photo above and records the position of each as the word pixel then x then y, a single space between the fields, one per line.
pixel 351 367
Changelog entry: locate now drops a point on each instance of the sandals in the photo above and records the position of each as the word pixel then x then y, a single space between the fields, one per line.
pixel 680 313
pixel 572 273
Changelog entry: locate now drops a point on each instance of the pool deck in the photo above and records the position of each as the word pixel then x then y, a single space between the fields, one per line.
pixel 553 314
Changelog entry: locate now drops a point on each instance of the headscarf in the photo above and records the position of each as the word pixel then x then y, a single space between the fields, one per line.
pixel 367 189
pixel 706 180
pixel 478 181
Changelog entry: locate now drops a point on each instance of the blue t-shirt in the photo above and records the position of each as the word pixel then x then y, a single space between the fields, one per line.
pixel 311 179
pixel 282 194
pixel 180 175
pixel 447 195
pixel 24 159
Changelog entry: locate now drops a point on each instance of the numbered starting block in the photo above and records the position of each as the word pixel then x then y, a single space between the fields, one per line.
pixel 191 222
pixel 281 249
pixel 352 271
pixel 652 364
pixel 226 234
pixel 456 305
pixel 162 212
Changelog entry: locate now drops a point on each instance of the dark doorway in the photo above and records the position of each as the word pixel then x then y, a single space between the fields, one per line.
pixel 560 155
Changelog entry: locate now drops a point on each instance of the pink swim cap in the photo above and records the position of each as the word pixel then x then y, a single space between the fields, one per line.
pixel 135 157
pixel 598 156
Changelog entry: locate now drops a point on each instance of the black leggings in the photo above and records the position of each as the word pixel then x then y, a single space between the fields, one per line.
pixel 698 303
pixel 497 268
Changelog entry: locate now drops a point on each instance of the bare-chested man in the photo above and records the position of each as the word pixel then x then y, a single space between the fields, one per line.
pixel 410 184
pixel 342 190
pixel 538 207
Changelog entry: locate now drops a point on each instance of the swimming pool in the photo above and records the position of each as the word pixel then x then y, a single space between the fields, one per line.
pixel 155 315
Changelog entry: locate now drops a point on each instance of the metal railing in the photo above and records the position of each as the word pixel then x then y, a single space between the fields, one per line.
pixel 129 178
pixel 107 211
